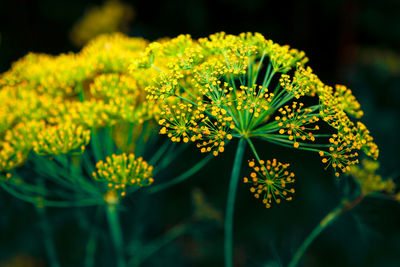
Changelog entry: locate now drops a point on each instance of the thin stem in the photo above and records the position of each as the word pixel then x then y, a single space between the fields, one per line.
pixel 91 244
pixel 266 77
pixel 187 100
pixel 182 177
pixel 259 67
pixel 149 250
pixel 159 152
pixel 171 154
pixel 271 75
pixel 141 143
pixel 48 241
pixel 230 205
pixel 253 149
pixel 325 222
pixel 81 92
pixel 51 203
pixel 116 233
pixel 95 143
pixel 129 137
pixel 108 140
pixel 157 69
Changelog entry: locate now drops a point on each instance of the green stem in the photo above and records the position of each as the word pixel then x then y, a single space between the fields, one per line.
pixel 325 222
pixel 267 72
pixel 116 233
pixel 259 67
pixel 159 152
pixel 95 143
pixel 91 244
pixel 182 177
pixel 50 203
pixel 48 242
pixel 253 149
pixel 230 205
pixel 129 138
pixel 108 140
pixel 171 154
pixel 187 100
pixel 149 250
pixel 81 92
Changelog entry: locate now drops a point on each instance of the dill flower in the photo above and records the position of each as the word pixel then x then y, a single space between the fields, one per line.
pixel 10 156
pixel 245 86
pixel 111 85
pixel 61 139
pixel 271 181
pixel 213 89
pixel 348 101
pixel 71 93
pixel 123 97
pixel 369 181
pixel 112 52
pixel 178 122
pixel 90 113
pixel 204 91
pixel 120 171
pixel 53 75
pixel 17 142
pixel 112 16
pixel 31 104
pixel 7 117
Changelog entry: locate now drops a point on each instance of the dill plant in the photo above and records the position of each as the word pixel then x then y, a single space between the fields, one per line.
pixel 223 87
pixel 76 131
pixel 81 129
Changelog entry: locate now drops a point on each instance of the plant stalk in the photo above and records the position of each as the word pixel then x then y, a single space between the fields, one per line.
pixel 182 177
pixel 230 205
pixel 325 222
pixel 116 233
pixel 91 244
pixel 48 241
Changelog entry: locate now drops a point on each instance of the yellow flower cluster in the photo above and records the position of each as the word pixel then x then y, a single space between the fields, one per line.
pixel 50 103
pixel 293 122
pixel 112 16
pixel 205 91
pixel 201 73
pixel 16 144
pixel 112 53
pixel 61 139
pixel 122 97
pixel 120 171
pixel 369 181
pixel 228 86
pixel 351 137
pixel 271 181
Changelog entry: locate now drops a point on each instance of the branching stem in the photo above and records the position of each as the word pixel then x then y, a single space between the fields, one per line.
pixel 325 222
pixel 230 205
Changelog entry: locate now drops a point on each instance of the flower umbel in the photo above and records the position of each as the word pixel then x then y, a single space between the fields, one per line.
pixel 369 181
pixel 61 139
pixel 124 170
pixel 271 181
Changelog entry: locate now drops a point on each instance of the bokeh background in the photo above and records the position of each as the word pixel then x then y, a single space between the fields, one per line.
pixel 353 42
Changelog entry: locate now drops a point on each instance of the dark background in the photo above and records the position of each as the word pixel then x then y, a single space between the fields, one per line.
pixel 356 43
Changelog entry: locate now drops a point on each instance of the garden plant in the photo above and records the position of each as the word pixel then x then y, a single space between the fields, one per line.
pixel 98 127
